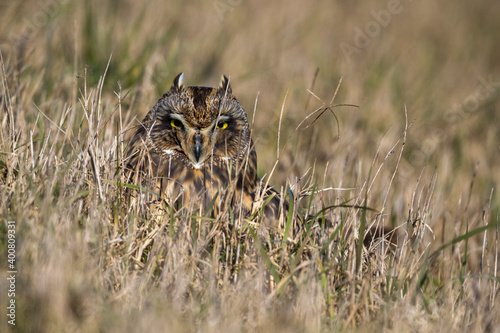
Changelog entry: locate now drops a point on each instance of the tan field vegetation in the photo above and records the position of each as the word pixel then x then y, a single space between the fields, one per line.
pixel 418 158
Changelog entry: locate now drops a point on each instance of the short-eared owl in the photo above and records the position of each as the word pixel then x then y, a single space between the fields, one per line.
pixel 194 146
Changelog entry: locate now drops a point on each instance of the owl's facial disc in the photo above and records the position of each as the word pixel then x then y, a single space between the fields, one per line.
pixel 197 142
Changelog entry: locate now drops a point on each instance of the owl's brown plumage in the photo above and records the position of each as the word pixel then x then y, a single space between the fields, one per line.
pixel 195 145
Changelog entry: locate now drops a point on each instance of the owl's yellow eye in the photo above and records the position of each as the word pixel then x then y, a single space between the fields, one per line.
pixel 175 123
pixel 222 125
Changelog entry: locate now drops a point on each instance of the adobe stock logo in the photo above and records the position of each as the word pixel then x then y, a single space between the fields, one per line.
pixel 46 11
pixel 363 37
pixel 486 90
pixel 223 6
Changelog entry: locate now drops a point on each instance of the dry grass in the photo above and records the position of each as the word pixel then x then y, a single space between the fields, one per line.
pixel 421 155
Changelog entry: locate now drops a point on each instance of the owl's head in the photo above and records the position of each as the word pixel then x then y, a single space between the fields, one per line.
pixel 200 124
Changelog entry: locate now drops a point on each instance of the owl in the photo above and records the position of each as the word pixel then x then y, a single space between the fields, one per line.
pixel 194 148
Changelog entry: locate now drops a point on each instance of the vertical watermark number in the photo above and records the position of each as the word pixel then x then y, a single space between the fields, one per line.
pixel 11 272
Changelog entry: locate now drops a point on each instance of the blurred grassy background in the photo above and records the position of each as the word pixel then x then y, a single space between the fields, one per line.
pixel 430 57
pixel 439 60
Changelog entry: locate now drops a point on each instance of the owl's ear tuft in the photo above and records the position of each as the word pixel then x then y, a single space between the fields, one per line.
pixel 224 85
pixel 177 84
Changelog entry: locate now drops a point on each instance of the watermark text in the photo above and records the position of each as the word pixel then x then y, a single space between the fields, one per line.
pixel 11 272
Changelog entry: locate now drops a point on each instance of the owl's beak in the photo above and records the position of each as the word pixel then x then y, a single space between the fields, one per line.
pixel 197 146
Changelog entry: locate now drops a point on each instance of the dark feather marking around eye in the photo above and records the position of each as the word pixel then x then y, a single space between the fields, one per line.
pixel 176 123
pixel 170 122
pixel 223 125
